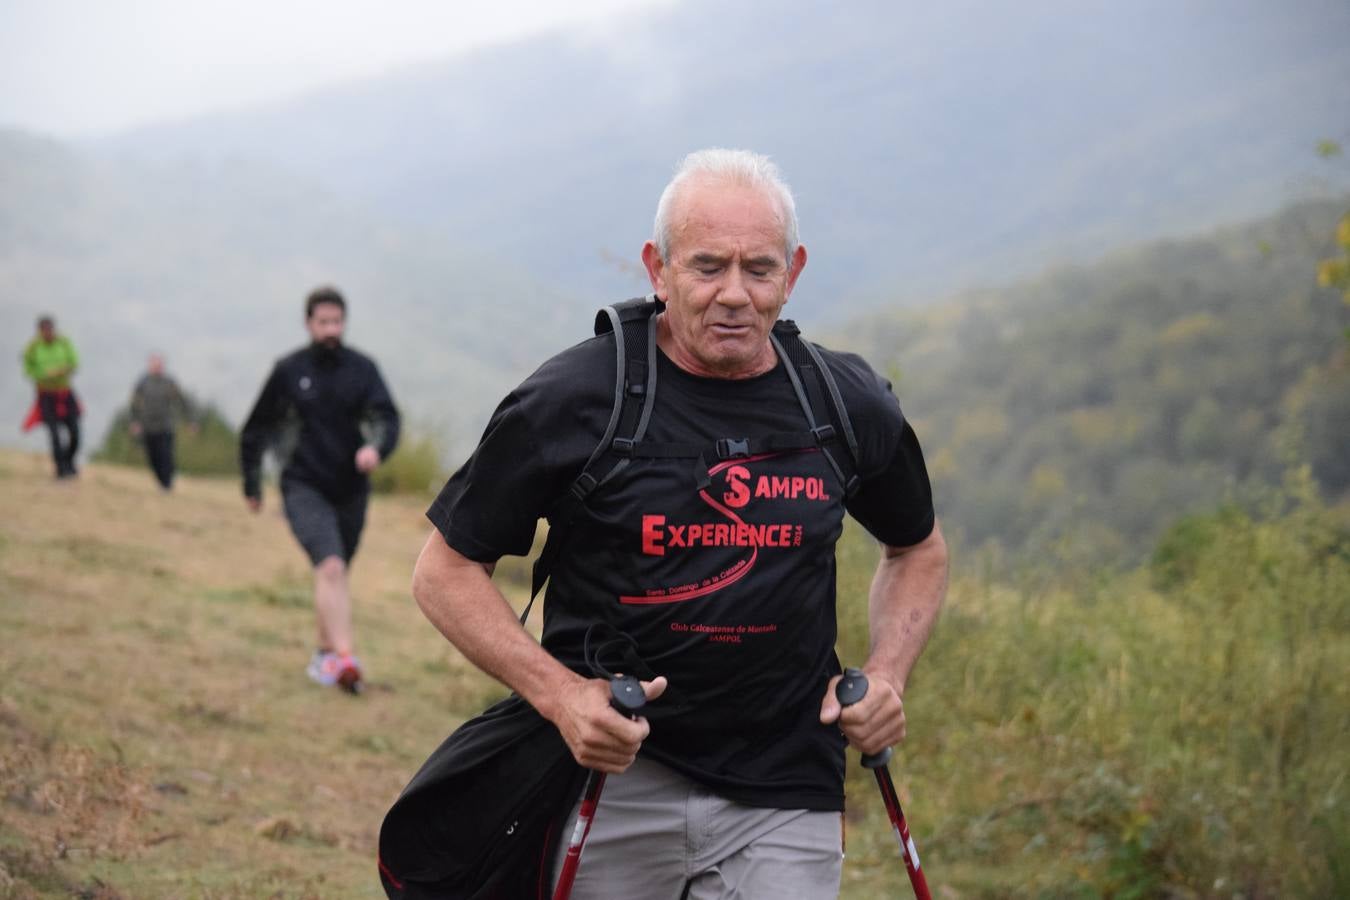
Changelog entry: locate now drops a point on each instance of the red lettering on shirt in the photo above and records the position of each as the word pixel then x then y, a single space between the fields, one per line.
pixel 738 492
pixel 651 535
pixel 658 535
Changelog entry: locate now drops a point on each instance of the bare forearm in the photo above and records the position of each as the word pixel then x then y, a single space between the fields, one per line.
pixel 458 597
pixel 906 595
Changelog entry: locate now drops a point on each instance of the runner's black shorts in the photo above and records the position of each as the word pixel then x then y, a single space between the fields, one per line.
pixel 324 527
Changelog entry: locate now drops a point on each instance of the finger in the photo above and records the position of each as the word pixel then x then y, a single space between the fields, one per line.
pixel 625 732
pixel 611 765
pixel 654 688
pixel 829 704
pixel 874 734
pixel 604 758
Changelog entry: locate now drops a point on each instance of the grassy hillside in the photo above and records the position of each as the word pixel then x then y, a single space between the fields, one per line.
pixel 158 737
pixel 1174 731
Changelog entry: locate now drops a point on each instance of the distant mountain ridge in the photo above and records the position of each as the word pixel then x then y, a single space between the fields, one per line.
pixel 929 145
pixel 209 263
pixel 1115 394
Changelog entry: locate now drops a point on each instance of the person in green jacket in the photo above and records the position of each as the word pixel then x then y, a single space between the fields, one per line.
pixel 49 360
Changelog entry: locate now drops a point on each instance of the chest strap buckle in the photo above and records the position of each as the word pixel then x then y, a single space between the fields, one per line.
pixel 733 448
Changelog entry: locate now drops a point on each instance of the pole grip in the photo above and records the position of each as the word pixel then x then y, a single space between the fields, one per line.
pixel 626 695
pixel 851 688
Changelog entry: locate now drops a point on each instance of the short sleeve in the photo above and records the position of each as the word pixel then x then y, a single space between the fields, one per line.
pixel 894 502
pixel 492 505
pixel 533 447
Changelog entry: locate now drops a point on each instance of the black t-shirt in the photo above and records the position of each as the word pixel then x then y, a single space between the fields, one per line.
pixel 728 589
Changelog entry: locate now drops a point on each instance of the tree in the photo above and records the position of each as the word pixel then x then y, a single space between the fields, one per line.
pixel 1334 271
pixel 211 448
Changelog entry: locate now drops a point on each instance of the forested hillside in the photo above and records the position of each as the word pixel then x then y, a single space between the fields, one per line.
pixel 1082 412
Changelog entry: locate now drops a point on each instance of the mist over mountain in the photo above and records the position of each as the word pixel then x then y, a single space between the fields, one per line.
pixel 209 263
pixel 930 145
pixel 478 210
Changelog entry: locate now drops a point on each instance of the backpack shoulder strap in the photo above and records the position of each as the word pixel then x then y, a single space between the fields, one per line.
pixel 633 324
pixel 821 402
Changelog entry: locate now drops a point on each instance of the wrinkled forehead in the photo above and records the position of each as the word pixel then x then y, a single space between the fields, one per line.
pixel 712 209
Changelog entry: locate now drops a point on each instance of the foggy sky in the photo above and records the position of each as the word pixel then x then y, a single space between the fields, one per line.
pixel 74 68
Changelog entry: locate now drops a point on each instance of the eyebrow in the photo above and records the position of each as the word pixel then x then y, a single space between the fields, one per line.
pixel 707 257
pixel 766 261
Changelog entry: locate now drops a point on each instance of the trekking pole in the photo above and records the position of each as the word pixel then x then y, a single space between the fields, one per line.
pixel 627 697
pixel 851 688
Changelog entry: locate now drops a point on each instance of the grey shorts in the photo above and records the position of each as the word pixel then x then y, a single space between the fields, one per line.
pixel 324 528
pixel 659 836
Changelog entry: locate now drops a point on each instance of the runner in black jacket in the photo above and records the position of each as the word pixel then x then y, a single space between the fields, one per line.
pixel 327 411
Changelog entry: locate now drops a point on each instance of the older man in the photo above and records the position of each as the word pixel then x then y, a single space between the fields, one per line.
pixel 710 547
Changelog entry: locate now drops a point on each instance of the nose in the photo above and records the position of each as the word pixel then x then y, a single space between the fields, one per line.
pixel 734 292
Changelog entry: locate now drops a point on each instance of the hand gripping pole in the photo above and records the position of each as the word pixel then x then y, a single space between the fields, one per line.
pixel 627 697
pixel 851 688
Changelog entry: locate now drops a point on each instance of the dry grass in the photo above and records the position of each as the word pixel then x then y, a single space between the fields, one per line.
pixel 158 737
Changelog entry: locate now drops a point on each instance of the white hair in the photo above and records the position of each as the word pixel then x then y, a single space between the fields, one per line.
pixel 743 167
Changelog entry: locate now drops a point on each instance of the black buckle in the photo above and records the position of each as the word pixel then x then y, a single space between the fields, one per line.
pixel 623 446
pixel 584 484
pixel 733 448
pixel 823 433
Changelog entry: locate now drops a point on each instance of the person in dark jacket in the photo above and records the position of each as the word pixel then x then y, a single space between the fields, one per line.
pixel 327 412
pixel 157 406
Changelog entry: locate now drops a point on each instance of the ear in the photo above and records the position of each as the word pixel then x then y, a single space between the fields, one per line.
pixel 656 268
pixel 798 263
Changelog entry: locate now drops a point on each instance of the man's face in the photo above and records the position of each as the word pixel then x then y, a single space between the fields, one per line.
pixel 325 325
pixel 726 279
pixel 47 331
pixel 155 365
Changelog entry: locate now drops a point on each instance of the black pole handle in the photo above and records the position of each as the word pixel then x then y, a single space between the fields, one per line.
pixel 851 688
pixel 626 695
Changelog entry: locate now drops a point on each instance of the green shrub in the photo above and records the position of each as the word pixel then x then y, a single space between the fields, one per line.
pixel 210 447
pixel 413 468
pixel 1174 731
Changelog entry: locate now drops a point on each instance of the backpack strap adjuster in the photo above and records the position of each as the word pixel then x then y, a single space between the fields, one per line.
pixel 582 487
pixel 733 448
pixel 823 433
pixel 624 446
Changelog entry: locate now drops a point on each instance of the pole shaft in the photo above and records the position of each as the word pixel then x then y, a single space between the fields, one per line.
pixel 908 852
pixel 590 799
